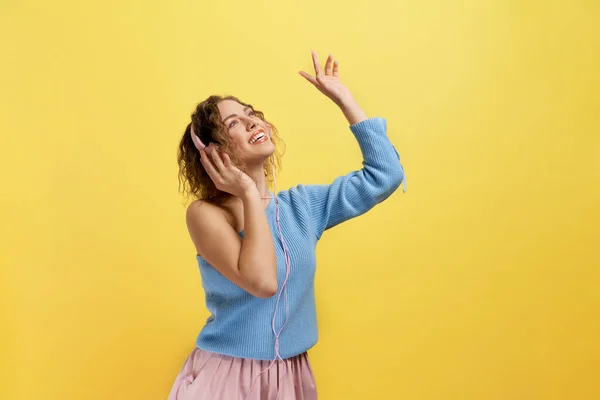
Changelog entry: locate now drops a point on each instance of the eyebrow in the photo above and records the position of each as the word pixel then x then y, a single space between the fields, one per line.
pixel 235 115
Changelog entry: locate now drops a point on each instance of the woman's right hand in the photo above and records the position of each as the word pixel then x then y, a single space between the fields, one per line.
pixel 226 176
pixel 249 262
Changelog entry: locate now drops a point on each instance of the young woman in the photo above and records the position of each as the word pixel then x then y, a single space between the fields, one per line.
pixel 256 249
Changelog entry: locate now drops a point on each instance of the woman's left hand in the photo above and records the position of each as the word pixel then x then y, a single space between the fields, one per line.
pixel 328 81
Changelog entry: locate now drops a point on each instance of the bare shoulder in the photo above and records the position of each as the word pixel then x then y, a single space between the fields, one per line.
pixel 201 208
pixel 213 236
pixel 201 215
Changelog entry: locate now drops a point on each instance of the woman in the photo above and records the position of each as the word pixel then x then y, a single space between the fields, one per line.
pixel 256 250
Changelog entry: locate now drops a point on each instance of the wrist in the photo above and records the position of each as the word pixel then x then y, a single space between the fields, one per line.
pixel 250 193
pixel 352 111
pixel 346 101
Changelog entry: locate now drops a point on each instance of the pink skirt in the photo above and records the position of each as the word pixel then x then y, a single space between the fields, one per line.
pixel 211 376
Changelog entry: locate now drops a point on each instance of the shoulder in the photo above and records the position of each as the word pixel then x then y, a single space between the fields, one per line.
pixel 201 214
pixel 201 208
pixel 293 195
pixel 297 199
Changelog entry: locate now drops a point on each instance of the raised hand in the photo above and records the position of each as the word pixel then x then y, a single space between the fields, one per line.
pixel 328 81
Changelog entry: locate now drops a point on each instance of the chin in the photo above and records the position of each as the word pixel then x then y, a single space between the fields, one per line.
pixel 259 153
pixel 265 149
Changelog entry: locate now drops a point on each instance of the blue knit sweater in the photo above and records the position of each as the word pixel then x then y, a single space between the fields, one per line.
pixel 240 324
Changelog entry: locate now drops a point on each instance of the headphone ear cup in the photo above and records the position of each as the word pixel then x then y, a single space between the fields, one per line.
pixel 197 142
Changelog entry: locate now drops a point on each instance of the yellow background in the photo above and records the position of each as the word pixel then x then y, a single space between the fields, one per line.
pixel 482 282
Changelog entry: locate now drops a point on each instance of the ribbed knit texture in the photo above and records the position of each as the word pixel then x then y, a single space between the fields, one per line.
pixel 240 324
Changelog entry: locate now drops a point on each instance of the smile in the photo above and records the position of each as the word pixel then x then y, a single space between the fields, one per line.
pixel 258 137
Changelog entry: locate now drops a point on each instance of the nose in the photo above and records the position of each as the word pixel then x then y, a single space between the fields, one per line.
pixel 251 123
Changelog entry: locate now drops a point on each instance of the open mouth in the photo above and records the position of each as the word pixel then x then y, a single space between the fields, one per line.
pixel 258 137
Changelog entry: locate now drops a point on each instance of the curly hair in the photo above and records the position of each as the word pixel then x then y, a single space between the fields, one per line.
pixel 193 179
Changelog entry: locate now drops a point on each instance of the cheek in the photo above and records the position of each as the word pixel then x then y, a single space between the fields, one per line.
pixel 239 139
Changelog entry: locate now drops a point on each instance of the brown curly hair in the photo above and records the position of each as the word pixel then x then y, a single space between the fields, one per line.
pixel 193 180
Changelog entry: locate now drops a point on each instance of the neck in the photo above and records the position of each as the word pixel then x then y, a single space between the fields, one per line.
pixel 257 174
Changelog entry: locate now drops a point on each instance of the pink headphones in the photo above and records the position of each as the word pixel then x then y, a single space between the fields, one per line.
pixel 201 146
pixel 197 142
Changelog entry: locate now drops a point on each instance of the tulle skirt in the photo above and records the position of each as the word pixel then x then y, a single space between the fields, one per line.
pixel 210 376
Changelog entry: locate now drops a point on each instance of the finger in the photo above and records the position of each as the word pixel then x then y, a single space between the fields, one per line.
pixel 318 70
pixel 216 158
pixel 208 166
pixel 335 68
pixel 309 78
pixel 227 161
pixel 328 65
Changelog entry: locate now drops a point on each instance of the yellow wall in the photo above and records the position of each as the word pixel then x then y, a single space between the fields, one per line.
pixel 482 282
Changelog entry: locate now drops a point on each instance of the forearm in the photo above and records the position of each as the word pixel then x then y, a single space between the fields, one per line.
pixel 355 193
pixel 352 111
pixel 257 262
pixel 380 159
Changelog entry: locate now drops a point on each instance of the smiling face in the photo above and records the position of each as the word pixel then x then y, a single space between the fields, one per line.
pixel 250 133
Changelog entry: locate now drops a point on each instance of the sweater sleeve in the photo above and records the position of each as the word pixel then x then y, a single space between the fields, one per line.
pixel 355 193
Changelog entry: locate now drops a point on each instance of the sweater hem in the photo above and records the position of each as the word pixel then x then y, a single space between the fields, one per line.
pixel 247 356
